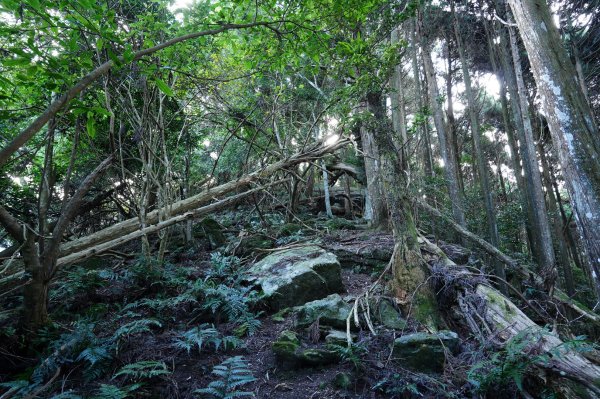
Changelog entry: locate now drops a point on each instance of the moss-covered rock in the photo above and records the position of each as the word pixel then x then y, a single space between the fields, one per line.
pixel 331 311
pixel 295 276
pixel 289 229
pixel 289 353
pixel 314 357
pixel 425 352
pixel 387 314
pixel 285 346
pixel 337 337
pixel 340 224
pixel 210 229
pixel 248 245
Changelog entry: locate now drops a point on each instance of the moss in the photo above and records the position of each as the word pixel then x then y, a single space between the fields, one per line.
pixel 497 299
pixel 286 346
pixel 342 380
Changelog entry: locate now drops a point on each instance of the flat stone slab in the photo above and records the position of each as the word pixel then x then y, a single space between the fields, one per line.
pixel 295 276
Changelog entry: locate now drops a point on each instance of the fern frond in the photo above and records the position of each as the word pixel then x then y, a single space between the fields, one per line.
pixel 143 370
pixel 233 373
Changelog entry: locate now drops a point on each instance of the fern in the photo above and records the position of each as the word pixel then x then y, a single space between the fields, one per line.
pixel 204 335
pixel 107 391
pixel 67 395
pixel 234 303
pixel 136 327
pixel 224 268
pixel 233 373
pixel 18 387
pixel 143 370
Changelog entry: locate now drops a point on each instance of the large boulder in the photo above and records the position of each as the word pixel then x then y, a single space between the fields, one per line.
pixel 331 311
pixel 295 276
pixel 425 352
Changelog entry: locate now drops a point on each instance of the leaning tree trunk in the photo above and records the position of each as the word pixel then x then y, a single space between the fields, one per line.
pixel 574 132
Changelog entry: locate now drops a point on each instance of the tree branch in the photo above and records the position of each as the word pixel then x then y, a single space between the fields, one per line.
pixel 88 79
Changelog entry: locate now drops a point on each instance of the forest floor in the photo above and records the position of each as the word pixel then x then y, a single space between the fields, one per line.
pixel 119 327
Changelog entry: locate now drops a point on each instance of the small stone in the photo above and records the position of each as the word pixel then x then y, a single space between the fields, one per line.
pixel 286 345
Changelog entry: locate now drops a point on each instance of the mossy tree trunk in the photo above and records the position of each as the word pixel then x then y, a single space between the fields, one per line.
pixel 409 271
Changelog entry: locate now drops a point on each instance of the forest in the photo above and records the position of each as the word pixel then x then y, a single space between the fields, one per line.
pixel 299 199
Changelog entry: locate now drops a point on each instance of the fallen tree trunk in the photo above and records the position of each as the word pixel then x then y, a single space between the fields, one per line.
pixel 490 315
pixel 105 246
pixel 194 202
pixel 514 266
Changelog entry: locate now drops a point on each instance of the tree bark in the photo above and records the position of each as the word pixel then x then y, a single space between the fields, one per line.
pixel 540 224
pixel 375 205
pixel 574 132
pixel 410 273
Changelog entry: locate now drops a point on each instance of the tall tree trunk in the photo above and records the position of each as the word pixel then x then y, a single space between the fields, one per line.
pixel 508 82
pixel 557 226
pixel 451 131
pixel 574 132
pixel 449 164
pixel 375 205
pixel 427 157
pixel 486 189
pixel 410 272
pixel 35 293
pixel 398 108
pixel 540 224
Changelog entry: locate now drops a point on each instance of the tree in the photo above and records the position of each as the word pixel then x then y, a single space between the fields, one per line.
pixel 574 131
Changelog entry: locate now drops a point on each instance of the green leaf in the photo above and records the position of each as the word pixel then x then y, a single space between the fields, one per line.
pixel 162 86
pixel 90 125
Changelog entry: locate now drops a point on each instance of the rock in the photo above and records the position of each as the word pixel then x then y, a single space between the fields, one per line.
pixel 285 346
pixel 247 245
pixel 289 353
pixel 342 380
pixel 210 229
pixel 317 357
pixel 295 276
pixel 362 250
pixel 289 229
pixel 340 224
pixel 337 337
pixel 425 352
pixel 331 311
pixel 388 315
pixel 456 253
